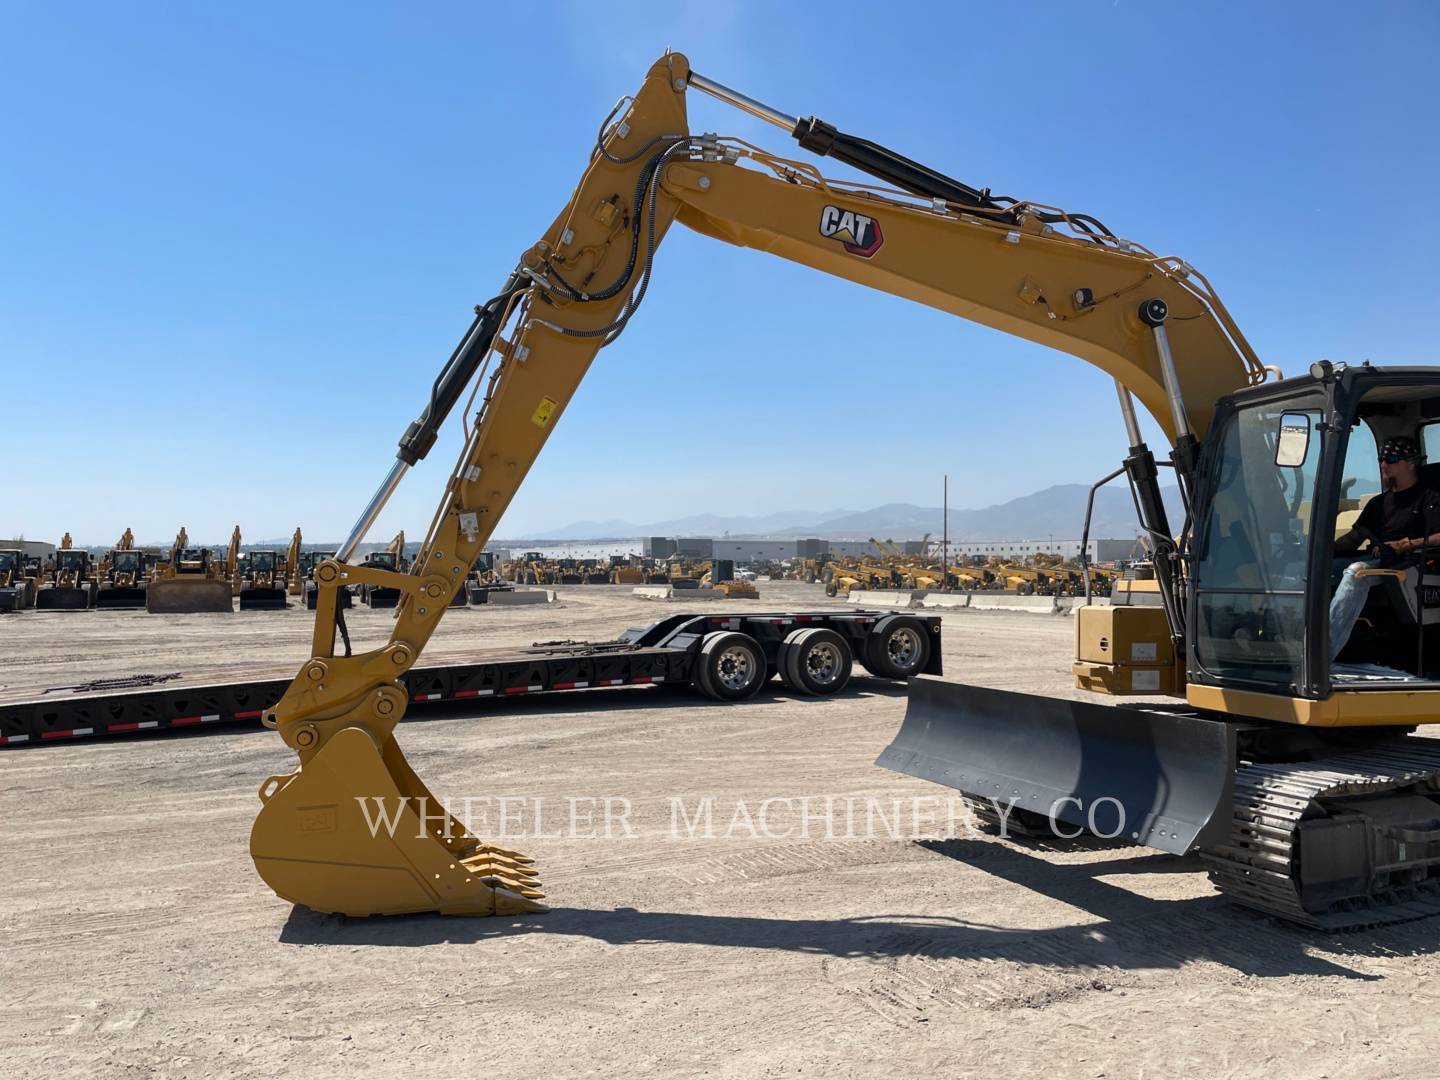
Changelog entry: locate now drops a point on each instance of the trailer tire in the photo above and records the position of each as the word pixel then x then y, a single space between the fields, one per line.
pixel 815 661
pixel 897 648
pixel 731 666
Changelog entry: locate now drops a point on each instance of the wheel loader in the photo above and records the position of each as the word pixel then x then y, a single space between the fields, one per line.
pixel 17 584
pixel 1286 759
pixel 70 585
pixel 263 584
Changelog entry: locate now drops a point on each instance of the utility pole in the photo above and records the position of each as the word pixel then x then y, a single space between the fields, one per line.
pixel 945 536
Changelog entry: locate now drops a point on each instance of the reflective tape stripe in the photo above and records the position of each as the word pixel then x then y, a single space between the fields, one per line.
pixel 182 721
pixel 473 693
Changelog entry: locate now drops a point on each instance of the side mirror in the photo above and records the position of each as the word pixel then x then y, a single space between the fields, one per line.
pixel 1293 440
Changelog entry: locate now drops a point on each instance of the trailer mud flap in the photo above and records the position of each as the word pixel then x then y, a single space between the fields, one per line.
pixel 1156 778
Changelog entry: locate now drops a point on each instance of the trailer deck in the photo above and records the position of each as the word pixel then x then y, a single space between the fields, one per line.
pixel 662 653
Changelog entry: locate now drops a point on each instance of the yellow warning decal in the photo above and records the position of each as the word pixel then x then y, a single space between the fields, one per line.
pixel 543 411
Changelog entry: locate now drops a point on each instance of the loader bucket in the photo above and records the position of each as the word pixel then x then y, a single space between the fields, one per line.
pixel 181 595
pixel 12 599
pixel 355 832
pixel 58 598
pixel 261 599
pixel 120 598
pixel 1162 779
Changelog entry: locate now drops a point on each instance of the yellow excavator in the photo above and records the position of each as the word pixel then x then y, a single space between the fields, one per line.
pixel 1292 774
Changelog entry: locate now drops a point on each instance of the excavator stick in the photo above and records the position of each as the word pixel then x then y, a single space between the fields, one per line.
pixel 355 832
pixel 1147 776
pixel 187 595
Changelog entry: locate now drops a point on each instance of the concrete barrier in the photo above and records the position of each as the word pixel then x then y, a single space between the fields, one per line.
pixel 668 592
pixel 1047 605
pixel 900 598
pixel 516 597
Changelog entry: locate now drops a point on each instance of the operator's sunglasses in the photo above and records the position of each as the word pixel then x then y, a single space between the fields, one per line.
pixel 1392 458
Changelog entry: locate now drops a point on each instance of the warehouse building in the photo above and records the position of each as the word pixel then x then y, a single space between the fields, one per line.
pixel 1097 550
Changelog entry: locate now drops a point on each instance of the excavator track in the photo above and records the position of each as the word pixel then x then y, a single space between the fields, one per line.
pixel 1277 804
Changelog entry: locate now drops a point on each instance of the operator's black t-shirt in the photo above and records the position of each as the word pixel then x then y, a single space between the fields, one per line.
pixel 1402 515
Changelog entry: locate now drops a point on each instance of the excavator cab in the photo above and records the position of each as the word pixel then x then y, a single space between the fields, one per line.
pixel 1288 469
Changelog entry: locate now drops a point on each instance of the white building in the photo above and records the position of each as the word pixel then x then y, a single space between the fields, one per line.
pixel 1099 550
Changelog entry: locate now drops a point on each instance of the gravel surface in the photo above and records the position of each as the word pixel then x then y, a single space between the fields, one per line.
pixel 139 941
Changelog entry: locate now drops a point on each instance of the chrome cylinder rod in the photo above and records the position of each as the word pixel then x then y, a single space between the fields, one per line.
pixel 743 102
pixel 372 510
pixel 1127 410
pixel 1172 383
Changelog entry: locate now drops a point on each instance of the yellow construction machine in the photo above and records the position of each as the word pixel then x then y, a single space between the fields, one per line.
pixel 190 580
pixel 391 560
pixel 123 575
pixel 70 584
pixel 17 588
pixel 266 576
pixel 294 568
pixel 1287 767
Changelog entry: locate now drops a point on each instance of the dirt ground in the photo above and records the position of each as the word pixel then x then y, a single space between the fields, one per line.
pixel 138 940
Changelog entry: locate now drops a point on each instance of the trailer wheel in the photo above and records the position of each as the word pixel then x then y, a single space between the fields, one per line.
pixel 815 661
pixel 897 648
pixel 731 666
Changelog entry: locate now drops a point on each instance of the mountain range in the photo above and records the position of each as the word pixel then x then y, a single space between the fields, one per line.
pixel 1057 511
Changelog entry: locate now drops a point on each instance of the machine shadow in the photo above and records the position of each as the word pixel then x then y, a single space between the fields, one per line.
pixel 1126 931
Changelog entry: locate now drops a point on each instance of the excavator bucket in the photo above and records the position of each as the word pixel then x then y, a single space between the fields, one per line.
pixel 186 595
pixel 1162 779
pixel 354 831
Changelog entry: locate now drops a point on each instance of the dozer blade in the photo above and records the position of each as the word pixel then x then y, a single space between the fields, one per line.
pixel 263 600
pixel 178 596
pixel 1156 778
pixel 60 598
pixel 355 832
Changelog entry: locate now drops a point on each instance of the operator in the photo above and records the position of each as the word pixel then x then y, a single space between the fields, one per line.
pixel 1399 522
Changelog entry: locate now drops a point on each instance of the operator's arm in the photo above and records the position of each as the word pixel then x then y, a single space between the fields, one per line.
pixel 1365 528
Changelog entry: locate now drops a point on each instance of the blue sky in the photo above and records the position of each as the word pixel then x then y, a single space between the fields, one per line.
pixel 237 241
